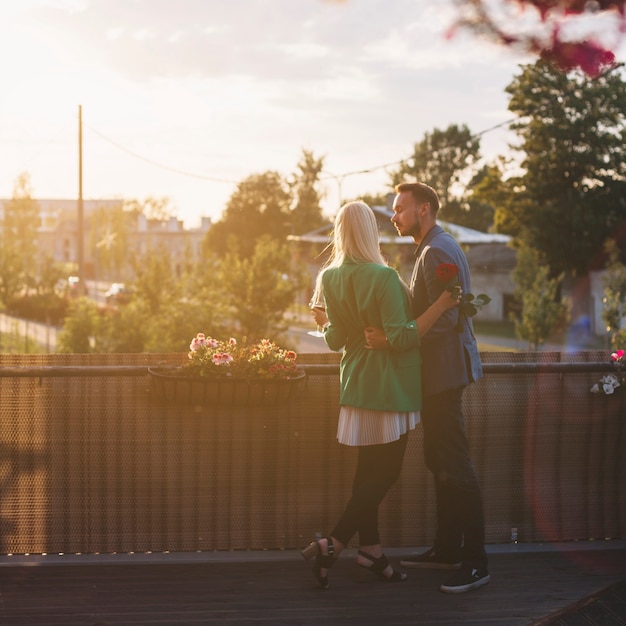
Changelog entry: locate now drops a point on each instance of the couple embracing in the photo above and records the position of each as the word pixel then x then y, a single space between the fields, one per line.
pixel 408 354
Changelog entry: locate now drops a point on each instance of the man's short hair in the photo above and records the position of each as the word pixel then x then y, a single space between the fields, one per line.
pixel 421 192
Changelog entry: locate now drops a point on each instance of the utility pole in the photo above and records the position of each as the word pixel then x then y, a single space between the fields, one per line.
pixel 80 223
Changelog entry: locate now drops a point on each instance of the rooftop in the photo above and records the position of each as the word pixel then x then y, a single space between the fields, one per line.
pixel 464 235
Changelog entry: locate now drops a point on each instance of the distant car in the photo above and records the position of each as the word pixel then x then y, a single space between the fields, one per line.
pixel 73 287
pixel 118 293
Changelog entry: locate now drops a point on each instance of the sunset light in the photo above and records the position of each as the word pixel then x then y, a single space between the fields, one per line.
pixel 186 99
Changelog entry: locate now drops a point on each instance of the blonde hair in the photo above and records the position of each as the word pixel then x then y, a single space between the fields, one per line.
pixel 355 237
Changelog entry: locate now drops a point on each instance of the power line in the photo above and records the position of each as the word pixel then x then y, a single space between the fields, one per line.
pixel 401 161
pixel 216 179
pixel 156 163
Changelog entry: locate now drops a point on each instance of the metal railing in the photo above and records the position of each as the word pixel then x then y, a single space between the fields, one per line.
pixel 94 461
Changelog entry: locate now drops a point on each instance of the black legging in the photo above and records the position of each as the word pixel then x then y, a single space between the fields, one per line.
pixel 378 468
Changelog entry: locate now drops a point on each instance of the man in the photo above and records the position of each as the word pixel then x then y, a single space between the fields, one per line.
pixel 450 362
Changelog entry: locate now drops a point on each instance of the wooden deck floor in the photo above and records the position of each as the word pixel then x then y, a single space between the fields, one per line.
pixel 528 584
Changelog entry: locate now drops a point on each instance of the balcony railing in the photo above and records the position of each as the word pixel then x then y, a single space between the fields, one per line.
pixel 93 461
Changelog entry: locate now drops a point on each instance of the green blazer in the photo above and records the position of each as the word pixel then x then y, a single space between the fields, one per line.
pixel 360 294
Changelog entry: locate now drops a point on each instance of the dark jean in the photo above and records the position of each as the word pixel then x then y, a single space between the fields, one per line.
pixel 378 468
pixel 460 519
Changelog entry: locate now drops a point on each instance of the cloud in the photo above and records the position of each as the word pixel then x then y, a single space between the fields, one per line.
pixel 226 88
pixel 148 39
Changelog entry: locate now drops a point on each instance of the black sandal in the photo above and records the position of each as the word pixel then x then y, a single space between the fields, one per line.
pixel 325 561
pixel 379 565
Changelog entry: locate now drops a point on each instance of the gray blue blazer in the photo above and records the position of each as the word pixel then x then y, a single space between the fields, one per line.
pixel 450 356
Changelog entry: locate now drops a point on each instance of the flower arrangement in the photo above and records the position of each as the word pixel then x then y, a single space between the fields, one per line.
pixel 448 273
pixel 213 358
pixel 610 383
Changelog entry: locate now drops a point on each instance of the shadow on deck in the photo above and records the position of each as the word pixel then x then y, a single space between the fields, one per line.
pixel 556 585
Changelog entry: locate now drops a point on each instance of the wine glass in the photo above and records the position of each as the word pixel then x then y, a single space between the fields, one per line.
pixel 316 303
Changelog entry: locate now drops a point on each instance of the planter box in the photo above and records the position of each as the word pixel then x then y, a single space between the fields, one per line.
pixel 223 391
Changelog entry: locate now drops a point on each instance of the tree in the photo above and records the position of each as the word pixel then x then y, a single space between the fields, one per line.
pixel 156 282
pixel 198 303
pixel 80 328
pixel 614 301
pixel 44 301
pixel 375 199
pixel 109 232
pixel 259 206
pixel 152 208
pixel 486 192
pixel 573 141
pixel 440 159
pixel 18 241
pixel 259 289
pixel 307 212
pixel 541 312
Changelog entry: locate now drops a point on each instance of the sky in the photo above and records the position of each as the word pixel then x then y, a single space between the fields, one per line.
pixel 184 99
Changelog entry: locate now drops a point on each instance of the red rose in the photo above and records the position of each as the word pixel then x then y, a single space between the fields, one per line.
pixel 446 272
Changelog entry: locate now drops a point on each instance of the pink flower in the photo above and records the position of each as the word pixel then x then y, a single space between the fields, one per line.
pixel 210 357
pixel 618 355
pixel 222 358
pixel 197 342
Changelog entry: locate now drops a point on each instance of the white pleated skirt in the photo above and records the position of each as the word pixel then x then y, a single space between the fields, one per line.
pixel 366 427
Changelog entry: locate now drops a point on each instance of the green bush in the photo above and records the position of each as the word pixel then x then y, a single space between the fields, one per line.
pixel 48 308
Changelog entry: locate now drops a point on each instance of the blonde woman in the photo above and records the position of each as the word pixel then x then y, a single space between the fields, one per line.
pixel 379 398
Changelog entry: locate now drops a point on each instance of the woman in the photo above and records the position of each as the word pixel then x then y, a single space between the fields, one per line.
pixel 379 399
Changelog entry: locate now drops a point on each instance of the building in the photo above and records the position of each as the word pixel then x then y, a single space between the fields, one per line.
pixel 57 236
pixel 490 258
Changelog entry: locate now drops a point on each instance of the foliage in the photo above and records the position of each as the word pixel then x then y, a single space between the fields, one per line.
pixel 373 199
pixel 448 273
pixel 201 304
pixel 259 289
pixel 573 139
pixel 109 239
pixel 441 158
pixel 155 282
pixel 18 241
pixel 80 328
pixel 212 358
pixel 88 329
pixel 50 274
pixel 170 303
pixel 259 206
pixel 41 301
pixel 488 193
pixel 469 213
pixel 124 329
pixel 151 208
pixel 47 308
pixel 541 312
pixel 540 27
pixel 12 341
pixel 306 215
pixel 614 300
pixel 229 295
